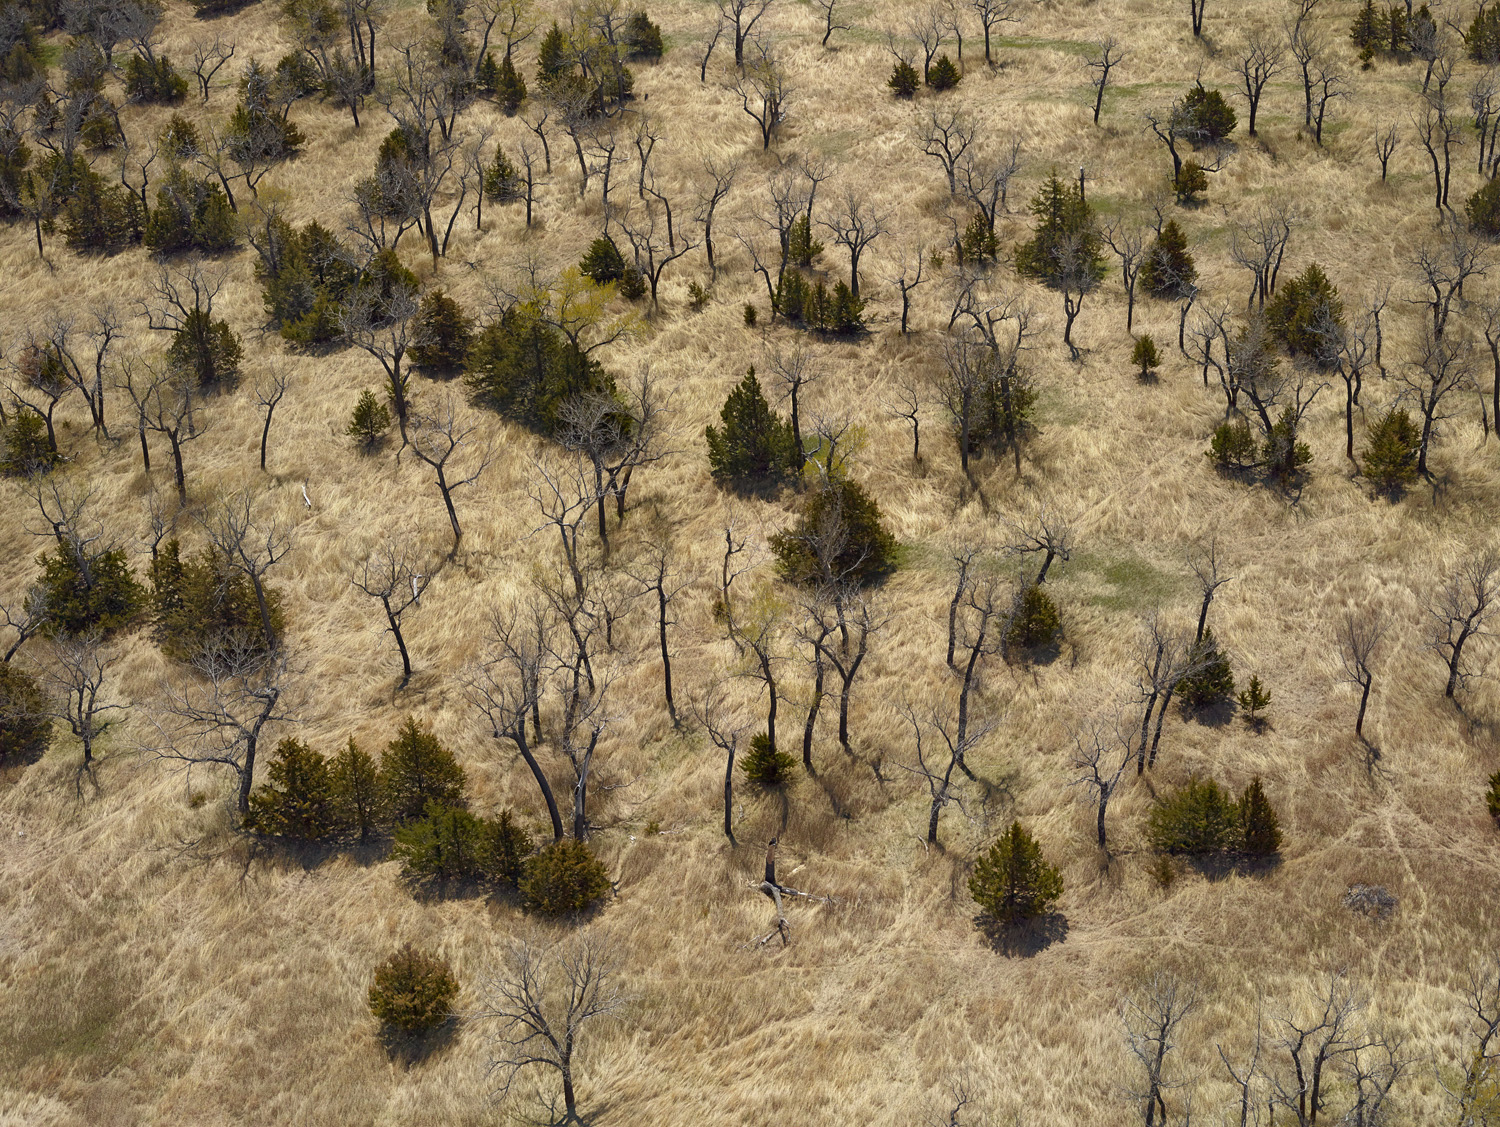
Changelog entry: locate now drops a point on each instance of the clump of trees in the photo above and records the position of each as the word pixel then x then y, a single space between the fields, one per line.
pixel 191 214
pixel 564 879
pixel 814 306
pixel 443 336
pixel 203 602
pixel 307 276
pixel 1200 818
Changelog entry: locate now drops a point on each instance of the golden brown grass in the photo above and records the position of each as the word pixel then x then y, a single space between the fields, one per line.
pixel 149 975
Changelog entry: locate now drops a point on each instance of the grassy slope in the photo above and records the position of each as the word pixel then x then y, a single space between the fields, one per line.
pixel 149 976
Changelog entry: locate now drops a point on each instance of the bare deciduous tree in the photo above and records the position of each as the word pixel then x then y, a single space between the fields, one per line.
pixel 711 710
pixel 219 715
pixel 1260 246
pixel 382 327
pixel 1166 657
pixel 936 766
pixel 1359 637
pixel 1041 531
pixel 993 13
pixel 436 436
pixel 763 89
pixel 946 137
pixel 1101 752
pixel 658 574
pixel 1153 1019
pixel 1102 58
pixel 855 225
pixel 163 401
pixel 1259 61
pixel 269 390
pixel 76 674
pixel 1328 1030
pixel 720 177
pixel 390 574
pixel 209 55
pixel 1461 611
pixel 27 618
pixel 547 996
pixel 506 688
pixel 1479 1058
pixel 251 545
pixel 1444 365
pixel 742 16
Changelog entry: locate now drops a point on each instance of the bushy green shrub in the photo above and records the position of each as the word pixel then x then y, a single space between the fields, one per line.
pixel 207 349
pixel 443 334
pixel 642 37
pixel 840 537
pixel 1035 622
pixel 1145 358
pixel 904 80
pixel 632 283
pixel 1012 881
pixel 1211 681
pixel 1305 315
pixel 307 276
pixel 369 422
pixel 816 307
pixel 1482 40
pixel 97 592
pixel 801 246
pixel 564 879
pixel 413 991
pixel 1207 117
pixel 297 799
pixel 1168 270
pixel 1197 818
pixel 764 766
pixel 27 449
pixel 943 75
pixel 25 717
pixel 1233 446
pixel 179 139
pixel 417 769
pixel 154 80
pixel 754 447
pixel 200 602
pixel 526 370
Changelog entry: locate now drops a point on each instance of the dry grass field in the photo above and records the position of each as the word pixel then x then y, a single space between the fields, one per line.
pixel 154 971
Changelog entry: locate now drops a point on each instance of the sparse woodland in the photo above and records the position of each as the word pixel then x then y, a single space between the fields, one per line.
pixel 749 562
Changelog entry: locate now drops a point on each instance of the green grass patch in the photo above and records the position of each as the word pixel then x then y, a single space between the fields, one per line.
pixel 1130 583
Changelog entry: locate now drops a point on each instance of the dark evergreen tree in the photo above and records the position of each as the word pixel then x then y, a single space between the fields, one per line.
pixel 358 798
pixel 154 80
pixel 200 602
pixel 443 334
pixel 370 421
pixel 1168 270
pixel 90 591
pixel 413 991
pixel 1389 462
pixel 1207 118
pixel 207 349
pixel 564 879
pixel 642 38
pixel 1211 681
pixel 297 799
pixel 1260 829
pixel 603 262
pixel 943 75
pixel 25 717
pixel 839 538
pixel 525 369
pixel 1066 236
pixel 1483 208
pixel 1305 315
pixel 766 766
pixel 754 447
pixel 28 451
pixel 1035 622
pixel 1198 819
pixel 417 769
pixel 1146 359
pixel 1013 882
pixel 904 80
pixel 502 183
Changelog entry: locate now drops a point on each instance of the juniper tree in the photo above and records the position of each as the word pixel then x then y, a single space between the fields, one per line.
pixel 752 448
pixel 1013 882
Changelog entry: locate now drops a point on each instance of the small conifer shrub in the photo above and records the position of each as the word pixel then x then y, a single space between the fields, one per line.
pixel 1168 271
pixel 1013 882
pixel 296 801
pixel 358 798
pixel 1253 701
pixel 1146 359
pixel 443 334
pixel 1233 446
pixel 369 422
pixel 564 879
pixel 839 538
pixel 944 75
pixel 752 447
pixel 764 766
pixel 27 450
pixel 904 80
pixel 1198 818
pixel 1035 623
pixel 413 991
pixel 1211 681
pixel 603 261
pixel 1260 829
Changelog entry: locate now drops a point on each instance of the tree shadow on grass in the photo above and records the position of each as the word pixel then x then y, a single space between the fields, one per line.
pixel 1219 866
pixel 1023 940
pixel 410 1049
pixel 308 855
